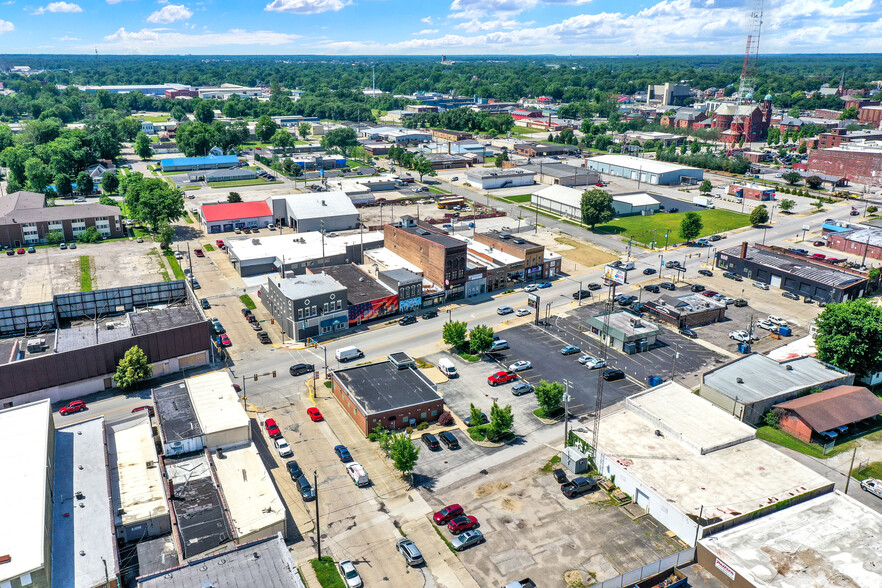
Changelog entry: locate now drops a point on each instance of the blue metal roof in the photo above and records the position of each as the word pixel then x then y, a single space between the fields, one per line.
pixel 179 161
pixel 835 228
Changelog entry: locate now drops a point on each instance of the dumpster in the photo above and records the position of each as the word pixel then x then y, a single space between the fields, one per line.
pixel 744 348
pixel 654 380
pixel 785 331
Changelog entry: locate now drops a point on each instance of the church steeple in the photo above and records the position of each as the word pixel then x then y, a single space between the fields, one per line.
pixel 842 84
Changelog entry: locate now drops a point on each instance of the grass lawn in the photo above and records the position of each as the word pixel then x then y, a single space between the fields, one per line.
pixel 208 247
pixel 85 273
pixel 525 130
pixel 540 412
pixel 327 573
pixel 173 263
pixel 154 118
pixel 162 271
pixel 437 191
pixel 550 465
pixel 519 198
pixel 781 438
pixel 645 229
pixel 468 356
pixel 479 433
pixel 247 301
pixel 187 218
pixel 873 470
pixel 240 183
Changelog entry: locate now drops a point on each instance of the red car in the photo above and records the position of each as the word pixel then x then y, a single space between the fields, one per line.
pixel 315 414
pixel 148 408
pixel 272 429
pixel 75 406
pixel 501 378
pixel 225 341
pixel 462 523
pixel 20 251
pixel 709 293
pixel 819 243
pixel 818 256
pixel 447 513
pixel 198 253
pixel 220 243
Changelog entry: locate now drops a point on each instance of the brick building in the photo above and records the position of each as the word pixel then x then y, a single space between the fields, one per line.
pixel 393 394
pixel 441 258
pixel 451 135
pixel 368 299
pixel 836 137
pixel 859 161
pixel 532 254
pixel 870 115
pixel 750 121
pixel 752 192
pixel 824 415
pixel 25 219
pixel 858 242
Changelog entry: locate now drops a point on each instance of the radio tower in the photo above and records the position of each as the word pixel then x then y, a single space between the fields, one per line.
pixel 751 53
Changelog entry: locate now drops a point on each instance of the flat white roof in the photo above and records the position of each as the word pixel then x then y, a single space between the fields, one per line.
pixel 83 538
pixel 641 199
pixel 561 194
pixel 319 204
pixel 24 436
pixel 499 256
pixel 391 260
pixel 216 403
pixel 137 485
pixel 248 490
pixel 831 540
pixel 638 163
pixel 727 482
pixel 296 247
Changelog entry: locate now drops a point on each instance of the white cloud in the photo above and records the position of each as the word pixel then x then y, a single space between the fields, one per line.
pixel 427 20
pixel 427 32
pixel 153 41
pixel 67 38
pixel 305 6
pixel 118 1
pixel 6 26
pixel 479 26
pixel 59 7
pixel 170 13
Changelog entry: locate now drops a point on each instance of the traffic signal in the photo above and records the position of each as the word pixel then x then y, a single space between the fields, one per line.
pixel 255 377
pixel 274 373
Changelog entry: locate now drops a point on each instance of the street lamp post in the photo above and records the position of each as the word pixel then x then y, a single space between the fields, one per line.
pixel 566 399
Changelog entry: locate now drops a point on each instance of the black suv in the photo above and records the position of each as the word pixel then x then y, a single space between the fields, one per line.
pixel 307 493
pixel 652 288
pixel 697 288
pixel 667 286
pixel 294 469
pixel 298 369
pixel 580 294
pixel 430 314
pixel 431 441
pixel 613 374
pixel 449 439
pixel 408 320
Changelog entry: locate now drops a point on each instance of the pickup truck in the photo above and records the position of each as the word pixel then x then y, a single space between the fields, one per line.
pixel 578 486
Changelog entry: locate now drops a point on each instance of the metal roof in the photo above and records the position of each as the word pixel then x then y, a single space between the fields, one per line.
pixel 637 163
pixel 797 266
pixel 215 159
pixel 380 387
pixel 862 236
pixel 836 407
pixel 235 211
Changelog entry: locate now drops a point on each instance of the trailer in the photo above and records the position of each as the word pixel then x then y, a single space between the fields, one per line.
pixel 703 201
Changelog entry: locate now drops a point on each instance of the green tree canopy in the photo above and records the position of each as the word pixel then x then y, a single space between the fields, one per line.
pixel 813 182
pixel 132 368
pixel 423 166
pixel 792 178
pixel 63 185
pixel 705 187
pixel 203 112
pixel 85 184
pixel 153 201
pixel 691 226
pixel 549 396
pixel 38 173
pixel 403 452
pixel 90 235
pixel 109 183
pixel 305 129
pixel 501 420
pixel 282 139
pixel 234 197
pixel 142 146
pixel 265 128
pixel 480 339
pixel 342 139
pixel 54 237
pixel 849 336
pixel 597 207
pixel 453 333
pixel 786 205
pixel 759 215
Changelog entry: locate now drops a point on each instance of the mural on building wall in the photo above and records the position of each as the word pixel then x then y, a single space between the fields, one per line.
pixel 410 304
pixel 373 309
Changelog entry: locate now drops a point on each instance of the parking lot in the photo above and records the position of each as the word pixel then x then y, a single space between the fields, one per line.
pixel 533 530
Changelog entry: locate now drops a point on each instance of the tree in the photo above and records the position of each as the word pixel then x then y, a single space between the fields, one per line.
pixel 802 147
pixel 404 453
pixel 705 187
pixel 759 215
pixel 38 173
pixel 154 202
pixel 54 237
pixel 476 416
pixel 549 396
pixel 423 166
pixel 165 236
pixel 849 336
pixel 773 136
pixel 203 112
pixel 813 182
pixel 818 205
pixel 454 333
pixel 85 184
pixel 849 113
pixel 90 235
pixel 63 185
pixel 501 420
pixel 481 339
pixel 597 207
pixel 786 205
pixel 282 139
pixel 109 183
pixel 234 197
pixel 178 113
pixel 107 200
pixel 872 209
pixel 265 129
pixel 794 112
pixel 792 178
pixel 142 146
pixel 342 139
pixel 305 129
pixel 690 226
pixel 132 368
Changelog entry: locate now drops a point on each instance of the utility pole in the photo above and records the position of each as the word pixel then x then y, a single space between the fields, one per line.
pixel 318 531
pixel 674 364
pixel 566 399
pixel 580 292
pixel 323 243
pixel 848 479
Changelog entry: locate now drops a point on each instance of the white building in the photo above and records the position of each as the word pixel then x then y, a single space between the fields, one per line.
pixel 316 211
pixel 694 467
pixel 489 179
pixel 220 413
pixel 559 200
pixel 649 171
pixel 636 203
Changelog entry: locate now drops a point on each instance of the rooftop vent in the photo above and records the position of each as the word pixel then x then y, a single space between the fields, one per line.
pixel 739 380
pixel 788 367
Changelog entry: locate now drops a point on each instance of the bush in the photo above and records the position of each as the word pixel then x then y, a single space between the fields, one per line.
pixel 872 210
pixel 409 430
pixel 422 426
pixel 446 419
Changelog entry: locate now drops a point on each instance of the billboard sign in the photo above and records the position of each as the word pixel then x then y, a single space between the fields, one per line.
pixel 614 275
pixel 533 300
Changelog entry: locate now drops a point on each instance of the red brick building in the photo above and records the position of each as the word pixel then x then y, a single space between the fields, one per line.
pixel 750 121
pixel 824 415
pixel 857 242
pixel 441 258
pixel 870 115
pixel 181 94
pixel 859 161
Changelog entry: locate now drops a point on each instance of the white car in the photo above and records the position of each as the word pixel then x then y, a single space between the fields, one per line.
pixel 741 336
pixel 504 310
pixel 523 312
pixel 767 325
pixel 777 320
pixel 80 200
pixel 531 288
pixel 583 359
pixel 282 447
pixel 760 285
pixel 350 574
pixel 595 363
pixel 520 366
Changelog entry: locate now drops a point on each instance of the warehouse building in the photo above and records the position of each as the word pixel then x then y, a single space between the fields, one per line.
pixel 222 175
pixel 859 161
pixel 392 394
pixel 544 149
pixel 226 217
pixel 368 299
pixel 792 272
pixel 306 306
pixel 291 255
pixel 560 174
pixel 634 203
pixel 860 242
pixel 490 179
pixel 831 540
pixel 749 386
pixel 723 475
pixel 649 171
pixel 624 331
pixel 559 200
pixel 688 311
pixel 316 211
pixel 185 164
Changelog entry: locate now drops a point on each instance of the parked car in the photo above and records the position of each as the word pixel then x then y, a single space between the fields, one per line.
pixel 776 320
pixel 272 429
pixel 205 303
pixel 72 407
pixel 198 253
pixel 521 388
pixel 740 336
pixel 503 310
pixel 732 276
pixel 740 302
pixel 569 350
pixel 298 369
pixel 560 476
pixel 31 250
pixel 293 469
pixel 714 238
pixel 501 377
pixel 410 551
pixel 705 272
pixel 760 285
pixel 467 539
pixel 819 243
pixel 146 407
pixel 408 320
pixel 668 286
pixel 578 486
pixel 350 574
pixel 697 288
pixel 595 363
pixel 767 325
pixel 282 447
pixel 612 374
pixel 307 492
pixel 449 439
pixel 790 295
pixel 343 453
pixel 652 288
pixel 430 441
pixel 220 244
pixel 520 366
pixel 461 523
pixel 688 333
pixel 531 288
pixel 225 341
pixel 430 314
pixel 445 514
pixel 314 414
pixel 499 345
pixel 649 271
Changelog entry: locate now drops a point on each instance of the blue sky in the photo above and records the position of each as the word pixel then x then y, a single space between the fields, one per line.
pixel 433 27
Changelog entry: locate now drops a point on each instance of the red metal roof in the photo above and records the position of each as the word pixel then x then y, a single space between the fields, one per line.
pixel 842 405
pixel 235 210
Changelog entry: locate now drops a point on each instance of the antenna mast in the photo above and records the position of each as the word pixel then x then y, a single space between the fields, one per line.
pixel 751 52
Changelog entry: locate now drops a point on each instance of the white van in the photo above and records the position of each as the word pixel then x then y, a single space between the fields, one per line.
pixel 349 353
pixel 628 265
pixel 358 474
pixel 447 368
pixel 499 345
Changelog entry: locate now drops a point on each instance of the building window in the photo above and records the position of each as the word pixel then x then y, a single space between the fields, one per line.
pixel 423 415
pixel 299 313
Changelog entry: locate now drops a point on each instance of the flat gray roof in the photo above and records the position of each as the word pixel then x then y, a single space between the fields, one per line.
pixel 202 521
pixel 513 172
pixel 360 286
pixel 863 236
pixel 430 233
pixel 560 170
pixel 797 266
pixel 763 377
pixel 307 285
pixel 379 387
pixel 175 413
